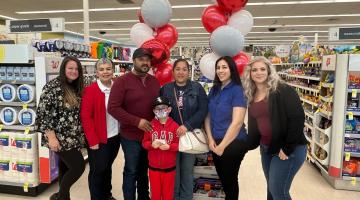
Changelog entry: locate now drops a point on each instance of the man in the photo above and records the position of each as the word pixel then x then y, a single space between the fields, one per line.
pixel 130 102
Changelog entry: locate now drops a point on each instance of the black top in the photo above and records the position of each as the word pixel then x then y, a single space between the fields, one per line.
pixel 287 122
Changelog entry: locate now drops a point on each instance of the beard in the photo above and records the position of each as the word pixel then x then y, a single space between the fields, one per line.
pixel 142 69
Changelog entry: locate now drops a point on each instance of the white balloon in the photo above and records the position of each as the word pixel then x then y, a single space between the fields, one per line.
pixel 226 41
pixel 156 13
pixel 141 33
pixel 242 20
pixel 207 65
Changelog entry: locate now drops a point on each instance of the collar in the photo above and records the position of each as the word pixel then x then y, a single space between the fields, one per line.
pixel 102 87
pixel 229 85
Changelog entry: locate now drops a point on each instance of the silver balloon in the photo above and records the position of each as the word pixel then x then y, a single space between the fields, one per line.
pixel 226 41
pixel 156 13
pixel 242 20
pixel 207 65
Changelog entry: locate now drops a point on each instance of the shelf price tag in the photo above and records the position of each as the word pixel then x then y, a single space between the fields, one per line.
pixel 1 127
pixel 27 130
pixel 353 180
pixel 353 93
pixel 347 156
pixel 26 187
pixel 321 84
pixel 25 106
pixel 351 116
pixel 318 110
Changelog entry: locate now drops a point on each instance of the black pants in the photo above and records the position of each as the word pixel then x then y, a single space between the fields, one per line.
pixel 71 167
pixel 228 165
pixel 100 162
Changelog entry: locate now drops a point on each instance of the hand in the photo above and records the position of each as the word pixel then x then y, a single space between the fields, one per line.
pixel 54 144
pixel 212 144
pixel 219 150
pixel 181 130
pixel 164 147
pixel 282 155
pixel 156 144
pixel 95 147
pixel 145 125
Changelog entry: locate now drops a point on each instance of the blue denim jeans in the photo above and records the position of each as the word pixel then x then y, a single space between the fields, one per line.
pixel 279 174
pixel 184 176
pixel 135 174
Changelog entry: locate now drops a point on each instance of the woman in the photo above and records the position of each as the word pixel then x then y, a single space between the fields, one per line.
pixel 101 131
pixel 276 121
pixel 224 125
pixel 58 119
pixel 191 103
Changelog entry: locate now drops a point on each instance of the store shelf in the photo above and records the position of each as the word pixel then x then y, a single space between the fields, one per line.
pixel 325 131
pixel 354 111
pixel 357 90
pixel 16 104
pixel 310 158
pixel 357 87
pixel 18 127
pixel 309 102
pixel 350 178
pixel 308 139
pixel 327 99
pixel 304 88
pixel 309 126
pixel 325 113
pixel 327 85
pixel 353 154
pixel 95 60
pixel 15 184
pixel 352 135
pixel 323 146
pixel 309 115
pixel 314 78
pixel 17 82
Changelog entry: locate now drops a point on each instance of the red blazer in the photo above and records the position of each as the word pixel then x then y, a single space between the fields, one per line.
pixel 93 115
pixel 158 158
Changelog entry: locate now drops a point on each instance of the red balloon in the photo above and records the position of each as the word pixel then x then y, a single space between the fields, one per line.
pixel 213 17
pixel 167 34
pixel 159 51
pixel 232 5
pixel 141 19
pixel 241 60
pixel 164 73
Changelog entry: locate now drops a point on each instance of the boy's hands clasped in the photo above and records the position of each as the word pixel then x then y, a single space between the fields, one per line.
pixel 161 145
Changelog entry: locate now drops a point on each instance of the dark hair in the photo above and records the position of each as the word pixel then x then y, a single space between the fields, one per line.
pixel 181 60
pixel 74 89
pixel 234 74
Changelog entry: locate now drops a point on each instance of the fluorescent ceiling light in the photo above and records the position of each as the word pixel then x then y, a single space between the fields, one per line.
pixel 188 6
pixel 290 32
pixel 7 17
pixel 306 25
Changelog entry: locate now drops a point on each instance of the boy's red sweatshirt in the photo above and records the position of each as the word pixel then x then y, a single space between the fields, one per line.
pixel 158 158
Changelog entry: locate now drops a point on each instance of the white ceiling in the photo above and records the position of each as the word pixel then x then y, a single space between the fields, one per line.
pixel 288 29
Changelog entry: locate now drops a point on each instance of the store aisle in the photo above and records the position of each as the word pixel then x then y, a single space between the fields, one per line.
pixel 308 184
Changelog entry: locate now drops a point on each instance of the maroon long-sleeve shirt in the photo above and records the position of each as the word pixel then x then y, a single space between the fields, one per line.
pixel 131 99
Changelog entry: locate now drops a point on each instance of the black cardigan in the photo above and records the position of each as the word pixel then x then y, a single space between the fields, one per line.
pixel 287 121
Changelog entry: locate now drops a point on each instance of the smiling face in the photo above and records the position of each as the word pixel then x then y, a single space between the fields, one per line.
pixel 223 71
pixel 181 72
pixel 105 72
pixel 71 71
pixel 259 72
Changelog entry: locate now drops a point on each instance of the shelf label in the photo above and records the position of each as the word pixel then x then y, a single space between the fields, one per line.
pixel 26 187
pixel 25 106
pixel 353 93
pixel 351 116
pixel 353 180
pixel 1 127
pixel 347 156
pixel 27 130
pixel 321 84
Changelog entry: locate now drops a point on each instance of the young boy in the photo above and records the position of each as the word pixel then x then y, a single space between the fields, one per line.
pixel 162 144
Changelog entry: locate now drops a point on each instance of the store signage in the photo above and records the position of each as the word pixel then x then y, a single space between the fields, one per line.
pixel 282 51
pixel 15 53
pixel 35 25
pixel 336 33
pixel 328 63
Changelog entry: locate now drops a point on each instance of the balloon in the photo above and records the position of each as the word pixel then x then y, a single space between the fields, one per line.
pixel 207 65
pixel 242 20
pixel 167 34
pixel 241 61
pixel 226 41
pixel 140 33
pixel 141 19
pixel 156 13
pixel 213 17
pixel 159 51
pixel 232 5
pixel 164 73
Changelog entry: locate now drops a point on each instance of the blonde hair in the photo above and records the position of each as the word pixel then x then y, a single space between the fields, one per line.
pixel 272 81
